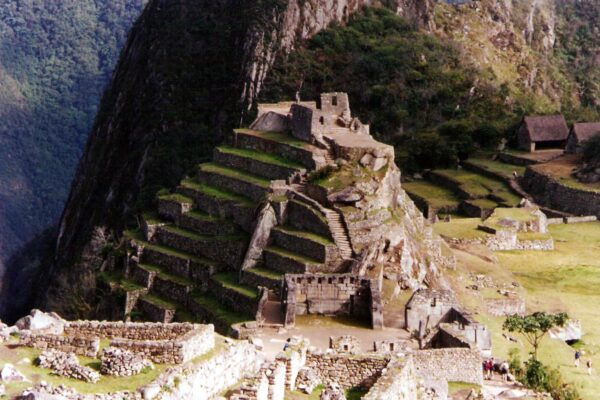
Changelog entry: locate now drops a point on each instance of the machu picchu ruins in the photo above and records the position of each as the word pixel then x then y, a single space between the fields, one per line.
pixel 302 213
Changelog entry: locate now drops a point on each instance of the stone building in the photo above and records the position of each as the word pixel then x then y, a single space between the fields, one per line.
pixel 580 132
pixel 436 320
pixel 542 132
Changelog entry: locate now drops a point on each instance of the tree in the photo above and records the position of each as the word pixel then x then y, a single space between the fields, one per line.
pixel 534 326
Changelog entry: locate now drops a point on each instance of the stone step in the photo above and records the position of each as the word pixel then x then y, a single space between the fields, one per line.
pixel 263 276
pixel 281 144
pixel 303 217
pixel 310 245
pixel 171 206
pixel 238 296
pixel 220 203
pixel 157 309
pixel 285 261
pixel 142 276
pixel 259 163
pixel 179 263
pixel 208 310
pixel 206 224
pixel 226 250
pixel 234 180
pixel 172 289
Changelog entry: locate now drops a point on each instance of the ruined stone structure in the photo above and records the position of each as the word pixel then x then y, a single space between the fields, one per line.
pixel 159 343
pixel 436 320
pixel 300 214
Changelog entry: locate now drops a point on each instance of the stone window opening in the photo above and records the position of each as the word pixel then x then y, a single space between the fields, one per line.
pixel 433 302
pixel 322 120
pixel 334 101
pixel 345 347
pixel 330 280
pixel 391 346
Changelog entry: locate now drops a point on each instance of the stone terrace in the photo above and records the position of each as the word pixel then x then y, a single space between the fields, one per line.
pixel 219 246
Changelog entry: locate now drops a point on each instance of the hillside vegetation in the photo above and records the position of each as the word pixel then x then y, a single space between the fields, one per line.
pixel 57 56
pixel 438 97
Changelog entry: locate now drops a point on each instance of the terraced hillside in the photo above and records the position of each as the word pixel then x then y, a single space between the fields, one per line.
pixel 191 252
pixel 475 190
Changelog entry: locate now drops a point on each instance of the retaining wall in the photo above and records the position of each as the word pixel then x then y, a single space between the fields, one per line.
pixel 551 193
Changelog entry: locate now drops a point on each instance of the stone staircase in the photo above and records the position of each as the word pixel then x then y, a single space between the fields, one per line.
pixel 340 236
pixel 190 259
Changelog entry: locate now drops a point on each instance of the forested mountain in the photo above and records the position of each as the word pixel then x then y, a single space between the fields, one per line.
pixel 433 78
pixel 55 60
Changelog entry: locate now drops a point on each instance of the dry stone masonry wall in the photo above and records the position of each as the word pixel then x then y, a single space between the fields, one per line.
pixel 452 365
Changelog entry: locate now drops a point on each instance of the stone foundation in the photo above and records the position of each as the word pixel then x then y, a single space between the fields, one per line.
pixel 349 371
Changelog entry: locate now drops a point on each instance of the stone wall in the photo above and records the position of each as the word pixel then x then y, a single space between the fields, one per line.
pixel 552 193
pixel 346 369
pixel 128 330
pixel 205 380
pixel 80 345
pixel 185 348
pixel 399 382
pixel 160 343
pixel 443 364
pixel 332 294
pixel 505 306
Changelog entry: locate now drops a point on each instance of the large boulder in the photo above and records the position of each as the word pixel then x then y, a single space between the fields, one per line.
pixel 39 321
pixel 10 374
pixel 570 332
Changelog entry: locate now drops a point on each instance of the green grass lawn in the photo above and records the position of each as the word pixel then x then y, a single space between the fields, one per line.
pixel 276 137
pixel 436 196
pixel 566 279
pixel 479 186
pixel 260 156
pixel 465 228
pixel 498 167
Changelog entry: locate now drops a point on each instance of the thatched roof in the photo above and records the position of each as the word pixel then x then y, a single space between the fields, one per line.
pixel 585 130
pixel 548 128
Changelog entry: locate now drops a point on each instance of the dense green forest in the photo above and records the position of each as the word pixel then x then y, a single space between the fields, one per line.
pixel 419 91
pixel 55 59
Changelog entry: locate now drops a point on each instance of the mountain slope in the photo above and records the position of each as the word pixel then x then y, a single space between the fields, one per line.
pixel 180 85
pixel 56 59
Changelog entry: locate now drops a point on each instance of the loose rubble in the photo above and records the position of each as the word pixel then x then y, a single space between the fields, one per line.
pixel 67 365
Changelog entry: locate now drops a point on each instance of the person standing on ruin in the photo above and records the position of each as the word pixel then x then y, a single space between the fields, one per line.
pixel 577 358
pixel 504 370
pixel 589 366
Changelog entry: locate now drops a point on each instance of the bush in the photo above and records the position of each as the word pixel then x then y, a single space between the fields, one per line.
pixel 543 379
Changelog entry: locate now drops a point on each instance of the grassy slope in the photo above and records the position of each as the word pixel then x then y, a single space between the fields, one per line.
pixel 434 195
pixel 562 280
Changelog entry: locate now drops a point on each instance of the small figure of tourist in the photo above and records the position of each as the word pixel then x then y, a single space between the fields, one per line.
pixel 515 174
pixel 589 366
pixel 504 370
pixel 488 366
pixel 287 344
pixel 577 358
